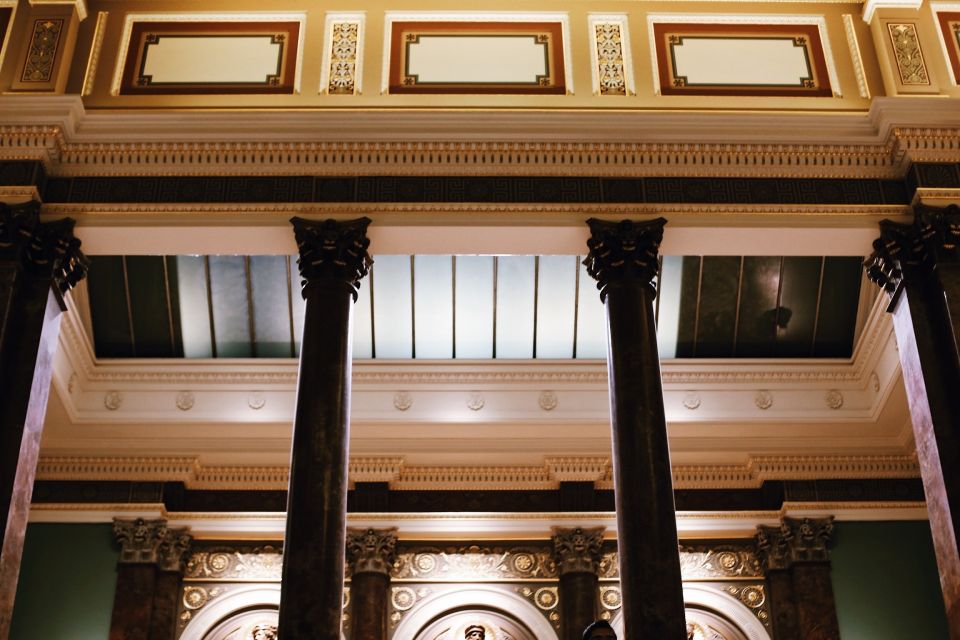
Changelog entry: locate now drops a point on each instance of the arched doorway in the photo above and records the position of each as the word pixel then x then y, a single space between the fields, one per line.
pixel 496 626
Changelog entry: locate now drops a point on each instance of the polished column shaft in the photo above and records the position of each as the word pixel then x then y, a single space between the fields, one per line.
pixel 38 263
pixel 919 266
pixel 576 553
pixel 623 259
pixel 370 554
pixel 333 259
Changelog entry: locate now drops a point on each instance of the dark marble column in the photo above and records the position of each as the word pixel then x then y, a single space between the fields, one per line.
pixel 149 573
pixel 370 555
pixel 623 260
pixel 333 260
pixel 917 264
pixel 39 262
pixel 577 555
pixel 796 562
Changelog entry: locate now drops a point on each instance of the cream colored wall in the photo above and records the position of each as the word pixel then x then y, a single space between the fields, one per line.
pixel 371 97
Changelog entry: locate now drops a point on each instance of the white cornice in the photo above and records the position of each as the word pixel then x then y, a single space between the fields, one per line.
pixel 74 141
pixel 479 526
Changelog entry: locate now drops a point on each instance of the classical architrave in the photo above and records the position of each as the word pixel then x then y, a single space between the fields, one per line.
pixel 69 141
pixel 478 526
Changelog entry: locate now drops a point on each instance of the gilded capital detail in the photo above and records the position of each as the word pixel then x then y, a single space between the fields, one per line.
pixel 43 248
pixel 371 550
pixel 577 550
pixel 795 540
pixel 910 252
pixel 331 249
pixel 152 542
pixel 623 252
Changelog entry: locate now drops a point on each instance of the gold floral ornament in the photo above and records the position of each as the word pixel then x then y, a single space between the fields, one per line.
pixel 909 57
pixel 610 66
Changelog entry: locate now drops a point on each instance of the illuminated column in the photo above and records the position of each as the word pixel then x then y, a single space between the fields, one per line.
pixel 919 266
pixel 39 262
pixel 370 554
pixel 333 260
pixel 577 555
pixel 623 260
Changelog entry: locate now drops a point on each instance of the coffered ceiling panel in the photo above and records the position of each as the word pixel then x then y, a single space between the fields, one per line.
pixel 472 307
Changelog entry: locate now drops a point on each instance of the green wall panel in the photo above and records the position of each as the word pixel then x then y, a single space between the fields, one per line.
pixel 67 581
pixel 886 583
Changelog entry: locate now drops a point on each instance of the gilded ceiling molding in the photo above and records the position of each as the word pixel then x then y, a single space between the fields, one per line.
pixel 850 29
pixel 401 477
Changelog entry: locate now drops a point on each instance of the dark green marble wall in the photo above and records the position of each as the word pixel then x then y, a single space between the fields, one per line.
pixel 66 583
pixel 886 583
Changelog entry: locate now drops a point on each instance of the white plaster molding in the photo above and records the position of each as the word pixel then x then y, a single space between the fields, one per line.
pixel 870 6
pixel 477 16
pixel 71 141
pixel 479 526
pixel 132 18
pixel 856 58
pixel 727 18
pixel 80 5
pixel 405 477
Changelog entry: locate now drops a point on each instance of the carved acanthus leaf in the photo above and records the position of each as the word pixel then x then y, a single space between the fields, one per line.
pixel 46 249
pixel 624 251
pixel 332 250
pixel 371 550
pixel 795 540
pixel 577 550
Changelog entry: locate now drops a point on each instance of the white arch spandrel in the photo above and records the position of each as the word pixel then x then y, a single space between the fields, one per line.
pixel 428 610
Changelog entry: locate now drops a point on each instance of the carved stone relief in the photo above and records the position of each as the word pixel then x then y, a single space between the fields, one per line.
pixel 468 563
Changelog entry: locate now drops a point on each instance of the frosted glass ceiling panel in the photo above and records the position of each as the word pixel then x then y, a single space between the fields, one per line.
pixel 591 322
pixel 392 305
pixel 231 320
pixel 556 306
pixel 433 306
pixel 474 307
pixel 299 304
pixel 515 304
pixel 194 307
pixel 271 306
pixel 362 322
pixel 668 316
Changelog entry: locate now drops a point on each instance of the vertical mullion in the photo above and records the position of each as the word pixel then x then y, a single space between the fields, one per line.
pixel 776 315
pixel 453 285
pixel 816 311
pixel 293 344
pixel 496 265
pixel 213 329
pixel 696 313
pixel 413 309
pixel 536 300
pixel 373 319
pixel 126 289
pixel 166 287
pixel 576 302
pixel 736 317
pixel 251 319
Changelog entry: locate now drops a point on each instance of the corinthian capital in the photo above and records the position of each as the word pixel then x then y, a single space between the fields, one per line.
pixel 795 540
pixel 907 252
pixel 151 542
pixel 332 249
pixel 45 249
pixel 624 251
pixel 371 550
pixel 577 550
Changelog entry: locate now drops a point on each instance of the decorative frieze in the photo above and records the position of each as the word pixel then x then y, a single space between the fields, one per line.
pixel 243 563
pixel 795 540
pixel 577 550
pixel 907 53
pixel 342 67
pixel 42 50
pixel 473 563
pixel 371 550
pixel 610 53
